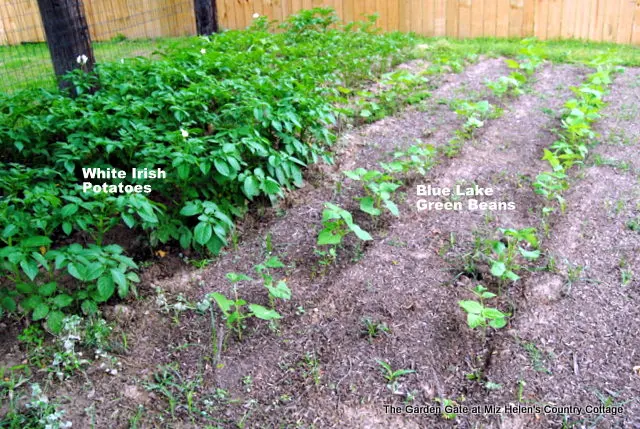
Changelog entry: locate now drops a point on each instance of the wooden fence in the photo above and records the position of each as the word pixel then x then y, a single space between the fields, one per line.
pixel 599 20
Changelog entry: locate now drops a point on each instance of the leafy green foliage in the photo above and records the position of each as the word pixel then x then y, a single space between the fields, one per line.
pixel 337 223
pixel 230 118
pixel 478 315
pixel 418 158
pixel 572 146
pixel 379 188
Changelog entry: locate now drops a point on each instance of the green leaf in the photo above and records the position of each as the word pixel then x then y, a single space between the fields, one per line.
pixel 280 291
pixel 264 313
pixel 512 64
pixel 48 289
pixel 25 288
pixel 271 187
pixel 37 241
pixel 67 227
pixel 31 302
pixel 190 210
pixel 498 268
pixel 118 277
pixel 62 300
pixel 238 277
pixel 393 208
pixel 360 233
pixel 492 313
pixel 529 254
pixel 223 302
pixel 183 171
pixel 475 320
pixel 128 220
pixel 105 287
pixel 367 206
pixel 203 232
pixel 222 167
pixel 512 276
pixel 250 187
pixel 40 311
pixel 471 307
pixel 94 271
pixel 9 231
pixel 89 307
pixel 54 321
pixel 30 268
pixel 8 304
pixel 328 237
pixel 498 323
pixel 274 262
pixel 69 210
pixel 78 271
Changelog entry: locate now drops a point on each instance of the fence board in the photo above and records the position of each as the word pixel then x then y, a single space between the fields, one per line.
pixel 502 22
pixel 609 20
pixel 610 29
pixel 477 18
pixel 464 18
pixel 490 17
pixel 415 20
pixel 451 21
pixel 554 22
pixel 404 14
pixel 568 20
pixel 635 34
pixel 383 19
pixel 528 17
pixel 439 20
pixel 516 17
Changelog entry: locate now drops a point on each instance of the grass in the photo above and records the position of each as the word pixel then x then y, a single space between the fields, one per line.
pixel 557 51
pixel 29 65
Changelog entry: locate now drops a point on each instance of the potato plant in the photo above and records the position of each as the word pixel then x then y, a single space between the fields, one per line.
pixel 231 119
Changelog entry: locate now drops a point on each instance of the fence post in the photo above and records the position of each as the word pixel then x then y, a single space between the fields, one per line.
pixel 206 12
pixel 67 34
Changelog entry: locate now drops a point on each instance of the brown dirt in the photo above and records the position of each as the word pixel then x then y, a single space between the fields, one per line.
pixel 317 369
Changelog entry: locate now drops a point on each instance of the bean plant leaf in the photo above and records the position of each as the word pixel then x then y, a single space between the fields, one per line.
pixel 471 306
pixel 264 313
pixel 498 268
pixel 280 290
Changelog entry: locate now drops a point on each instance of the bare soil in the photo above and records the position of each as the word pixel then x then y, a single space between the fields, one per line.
pixel 573 338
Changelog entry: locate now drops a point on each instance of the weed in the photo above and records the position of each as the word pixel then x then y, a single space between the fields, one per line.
pixel 39 412
pixel 392 376
pixel 374 328
pixel 537 357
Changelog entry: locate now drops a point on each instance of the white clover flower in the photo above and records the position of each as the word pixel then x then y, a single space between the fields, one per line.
pixel 184 133
pixel 203 51
pixel 256 15
pixel 82 59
